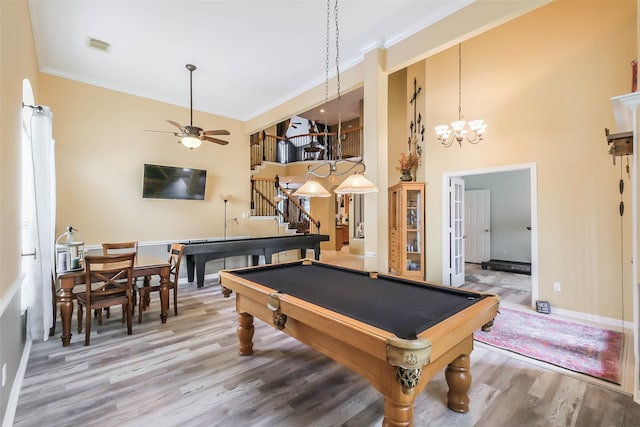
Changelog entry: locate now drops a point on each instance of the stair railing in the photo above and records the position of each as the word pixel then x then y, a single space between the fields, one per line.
pixel 269 198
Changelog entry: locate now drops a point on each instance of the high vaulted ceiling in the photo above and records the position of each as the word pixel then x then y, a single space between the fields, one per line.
pixel 251 55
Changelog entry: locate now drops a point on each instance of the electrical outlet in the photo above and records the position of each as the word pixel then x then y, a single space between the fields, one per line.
pixel 4 374
pixel 557 287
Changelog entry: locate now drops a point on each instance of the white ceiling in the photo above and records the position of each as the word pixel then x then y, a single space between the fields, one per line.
pixel 252 55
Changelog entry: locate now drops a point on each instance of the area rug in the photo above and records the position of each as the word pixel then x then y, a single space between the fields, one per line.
pixel 579 348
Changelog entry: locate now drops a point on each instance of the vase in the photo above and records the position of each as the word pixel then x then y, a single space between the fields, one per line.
pixel 406 175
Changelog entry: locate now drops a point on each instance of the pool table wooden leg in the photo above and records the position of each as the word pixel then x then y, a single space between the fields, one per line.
pixel 458 377
pixel 397 414
pixel 245 333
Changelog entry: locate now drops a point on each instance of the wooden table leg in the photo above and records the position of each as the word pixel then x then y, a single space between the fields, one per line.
pixel 66 311
pixel 245 333
pixel 458 377
pixel 164 293
pixel 54 307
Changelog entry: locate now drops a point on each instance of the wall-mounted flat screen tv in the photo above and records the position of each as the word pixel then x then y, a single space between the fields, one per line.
pixel 170 182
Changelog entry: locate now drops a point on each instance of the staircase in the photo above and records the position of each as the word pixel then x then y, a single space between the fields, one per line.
pixel 270 199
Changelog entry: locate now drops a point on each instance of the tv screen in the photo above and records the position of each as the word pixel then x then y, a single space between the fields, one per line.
pixel 169 182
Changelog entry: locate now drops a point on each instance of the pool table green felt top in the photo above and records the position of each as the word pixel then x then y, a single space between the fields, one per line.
pixel 403 307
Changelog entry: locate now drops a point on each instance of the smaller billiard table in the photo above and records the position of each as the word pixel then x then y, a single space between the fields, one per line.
pixel 397 333
pixel 199 252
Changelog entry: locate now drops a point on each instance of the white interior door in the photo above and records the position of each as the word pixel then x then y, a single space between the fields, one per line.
pixel 477 218
pixel 456 231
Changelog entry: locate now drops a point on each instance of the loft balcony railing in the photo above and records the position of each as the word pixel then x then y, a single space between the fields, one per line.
pixel 311 146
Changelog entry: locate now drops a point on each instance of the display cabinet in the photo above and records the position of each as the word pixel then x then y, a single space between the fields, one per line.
pixel 406 229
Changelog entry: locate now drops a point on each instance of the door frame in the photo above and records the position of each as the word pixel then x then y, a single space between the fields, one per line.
pixel 533 183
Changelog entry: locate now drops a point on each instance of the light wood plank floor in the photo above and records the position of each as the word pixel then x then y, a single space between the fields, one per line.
pixel 187 372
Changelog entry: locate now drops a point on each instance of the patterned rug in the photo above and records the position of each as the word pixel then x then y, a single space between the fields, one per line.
pixel 579 348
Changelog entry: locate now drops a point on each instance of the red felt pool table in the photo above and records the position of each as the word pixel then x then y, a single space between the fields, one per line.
pixel 397 333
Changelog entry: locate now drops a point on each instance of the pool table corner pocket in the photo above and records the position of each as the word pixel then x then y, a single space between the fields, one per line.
pixel 408 356
pixel 279 318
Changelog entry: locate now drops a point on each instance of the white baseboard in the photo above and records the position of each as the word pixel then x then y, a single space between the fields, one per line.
pixel 12 404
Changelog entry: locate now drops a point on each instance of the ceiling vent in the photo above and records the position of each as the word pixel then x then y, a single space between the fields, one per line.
pixel 99 44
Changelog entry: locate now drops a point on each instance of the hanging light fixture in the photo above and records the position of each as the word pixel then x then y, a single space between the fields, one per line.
pixel 460 130
pixel 356 183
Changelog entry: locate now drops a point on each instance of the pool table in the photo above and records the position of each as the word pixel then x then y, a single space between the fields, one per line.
pixel 397 333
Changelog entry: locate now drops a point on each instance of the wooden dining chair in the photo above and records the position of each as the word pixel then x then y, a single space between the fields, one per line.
pixel 113 249
pixel 119 247
pixel 108 282
pixel 175 259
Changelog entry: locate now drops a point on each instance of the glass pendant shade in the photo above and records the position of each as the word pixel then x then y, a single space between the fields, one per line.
pixel 458 125
pixel 356 184
pixel 312 188
pixel 191 141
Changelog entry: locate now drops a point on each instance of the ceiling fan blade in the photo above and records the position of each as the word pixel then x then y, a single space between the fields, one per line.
pixel 216 132
pixel 178 125
pixel 216 140
pixel 162 131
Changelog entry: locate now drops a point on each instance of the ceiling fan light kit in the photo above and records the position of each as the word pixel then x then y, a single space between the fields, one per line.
pixel 191 142
pixel 192 136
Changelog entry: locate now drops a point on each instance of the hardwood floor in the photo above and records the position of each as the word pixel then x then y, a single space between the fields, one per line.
pixel 512 287
pixel 187 372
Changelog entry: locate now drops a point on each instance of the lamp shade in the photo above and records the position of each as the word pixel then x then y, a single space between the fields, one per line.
pixel 191 141
pixel 312 188
pixel 356 184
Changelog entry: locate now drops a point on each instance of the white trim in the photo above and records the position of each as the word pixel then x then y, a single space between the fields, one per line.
pixel 12 403
pixel 533 182
pixel 592 318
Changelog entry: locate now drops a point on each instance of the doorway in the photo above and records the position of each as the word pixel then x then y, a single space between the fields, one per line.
pixel 453 254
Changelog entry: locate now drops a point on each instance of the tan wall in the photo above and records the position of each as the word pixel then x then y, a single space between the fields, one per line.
pixel 398 131
pixel 18 59
pixel 101 147
pixel 543 84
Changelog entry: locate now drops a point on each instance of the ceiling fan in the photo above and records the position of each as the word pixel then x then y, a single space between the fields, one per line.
pixel 192 136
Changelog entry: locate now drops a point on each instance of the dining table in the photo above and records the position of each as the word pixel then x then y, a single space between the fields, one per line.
pixel 144 266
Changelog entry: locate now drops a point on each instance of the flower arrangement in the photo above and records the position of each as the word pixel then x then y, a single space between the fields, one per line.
pixel 408 162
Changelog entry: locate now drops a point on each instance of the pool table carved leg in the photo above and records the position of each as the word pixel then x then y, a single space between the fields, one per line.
pixel 458 377
pixel 245 333
pixel 398 414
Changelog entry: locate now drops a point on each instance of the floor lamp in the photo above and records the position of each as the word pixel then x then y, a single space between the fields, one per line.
pixel 225 198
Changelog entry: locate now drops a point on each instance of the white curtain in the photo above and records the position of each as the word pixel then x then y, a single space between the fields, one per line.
pixel 39 298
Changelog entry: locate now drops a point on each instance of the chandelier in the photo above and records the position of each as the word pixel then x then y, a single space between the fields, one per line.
pixel 461 130
pixel 331 169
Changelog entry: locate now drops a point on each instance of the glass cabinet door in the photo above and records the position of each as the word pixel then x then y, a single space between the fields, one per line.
pixel 413 229
pixel 406 229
